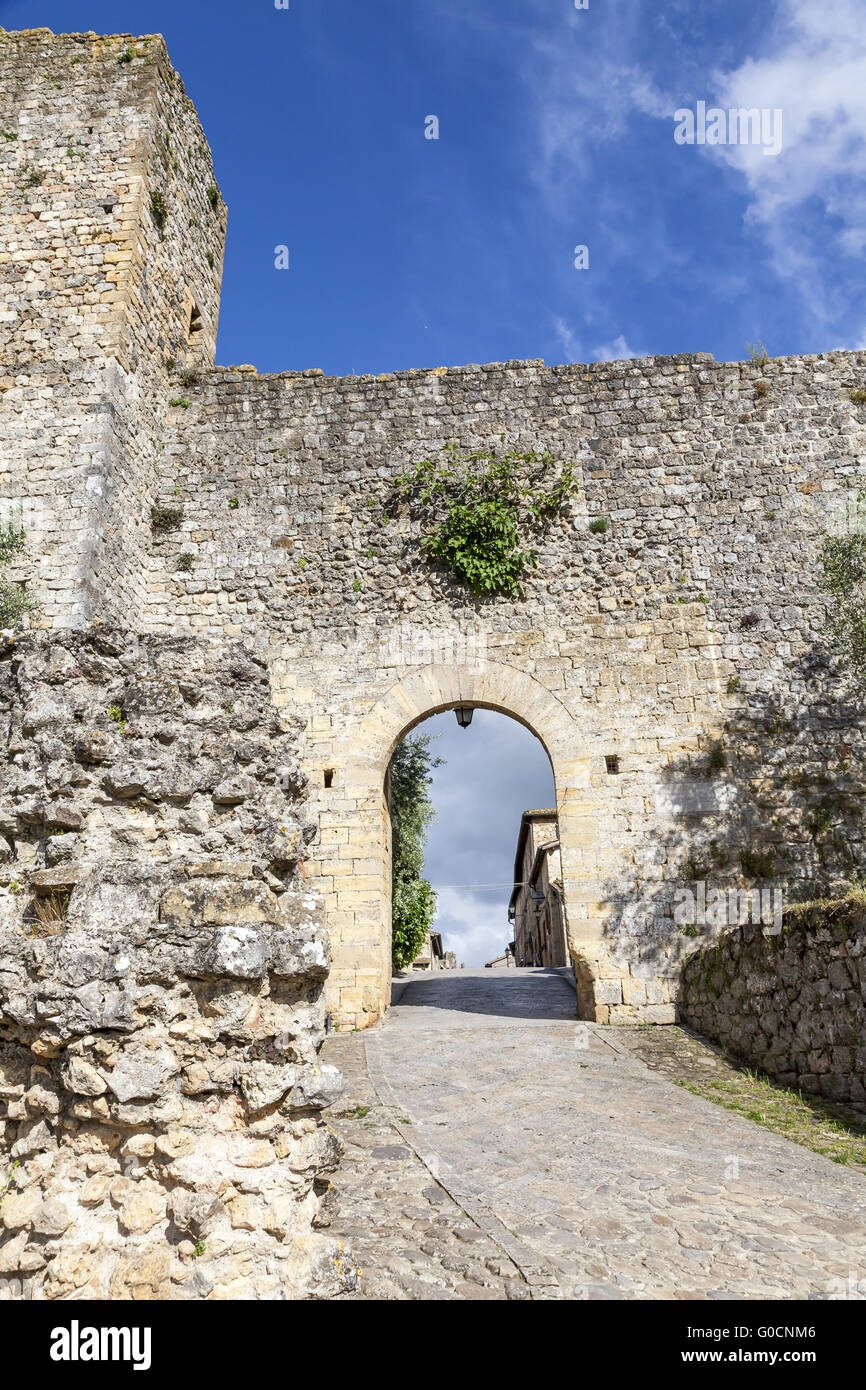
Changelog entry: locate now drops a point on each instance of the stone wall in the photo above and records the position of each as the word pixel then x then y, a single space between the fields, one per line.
pixel 792 1004
pixel 686 640
pixel 97 301
pixel 162 962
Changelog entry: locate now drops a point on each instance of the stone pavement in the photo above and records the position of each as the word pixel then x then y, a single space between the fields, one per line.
pixel 511 1151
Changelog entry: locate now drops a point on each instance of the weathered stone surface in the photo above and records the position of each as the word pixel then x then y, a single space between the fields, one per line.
pixel 787 1002
pixel 176 1005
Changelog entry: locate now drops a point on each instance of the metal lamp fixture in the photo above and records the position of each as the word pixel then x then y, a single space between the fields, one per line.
pixel 464 715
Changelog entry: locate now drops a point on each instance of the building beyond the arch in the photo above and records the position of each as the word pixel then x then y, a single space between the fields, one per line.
pixel 673 664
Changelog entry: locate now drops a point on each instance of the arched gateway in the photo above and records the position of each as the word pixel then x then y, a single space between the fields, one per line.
pixel 353 862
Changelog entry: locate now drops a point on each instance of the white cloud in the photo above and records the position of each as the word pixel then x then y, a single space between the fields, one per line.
pixel 808 202
pixel 477 930
pixel 814 71
pixel 570 344
pixel 617 351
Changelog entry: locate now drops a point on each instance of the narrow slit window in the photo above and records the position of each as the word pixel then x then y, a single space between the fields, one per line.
pixel 329 777
pixel 195 323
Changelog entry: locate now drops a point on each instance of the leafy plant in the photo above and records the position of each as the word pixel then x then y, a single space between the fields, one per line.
pixel 185 560
pixel 599 525
pixel 858 397
pixel 117 716
pixel 213 196
pixel 14 598
pixel 10 1177
pixel 843 576
pixel 166 518
pixel 481 508
pixel 126 56
pixel 413 902
pixel 181 402
pixel 158 209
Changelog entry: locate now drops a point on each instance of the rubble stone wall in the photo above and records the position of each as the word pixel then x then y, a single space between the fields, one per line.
pixel 793 1004
pixel 162 962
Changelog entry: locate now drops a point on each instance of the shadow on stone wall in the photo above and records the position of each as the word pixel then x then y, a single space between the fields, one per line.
pixel 774 801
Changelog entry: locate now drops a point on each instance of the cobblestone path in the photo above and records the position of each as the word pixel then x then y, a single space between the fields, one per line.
pixel 510 1151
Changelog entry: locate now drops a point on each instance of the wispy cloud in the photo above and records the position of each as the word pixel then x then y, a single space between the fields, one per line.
pixel 569 340
pixel 616 351
pixel 814 193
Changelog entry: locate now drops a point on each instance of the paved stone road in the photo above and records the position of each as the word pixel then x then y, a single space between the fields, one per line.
pixel 539 1157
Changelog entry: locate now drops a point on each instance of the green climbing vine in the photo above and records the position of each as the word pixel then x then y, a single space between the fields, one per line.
pixel 843 576
pixel 482 511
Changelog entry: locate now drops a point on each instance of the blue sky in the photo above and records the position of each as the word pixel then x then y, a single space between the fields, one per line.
pixel 555 130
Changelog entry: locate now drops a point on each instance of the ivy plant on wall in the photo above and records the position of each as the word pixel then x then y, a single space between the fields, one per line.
pixel 482 512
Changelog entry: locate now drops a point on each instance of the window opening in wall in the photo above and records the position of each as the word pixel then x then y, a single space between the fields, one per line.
pixel 612 762
pixel 329 777
pixel 195 323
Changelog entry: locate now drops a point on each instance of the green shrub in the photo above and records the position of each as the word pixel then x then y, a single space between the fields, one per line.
pixel 481 510
pixel 158 209
pixel 166 518
pixel 15 601
pixel 842 561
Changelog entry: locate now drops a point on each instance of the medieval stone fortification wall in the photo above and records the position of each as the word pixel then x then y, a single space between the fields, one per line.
pixel 162 964
pixel 793 1004
pixel 686 639
pixel 95 298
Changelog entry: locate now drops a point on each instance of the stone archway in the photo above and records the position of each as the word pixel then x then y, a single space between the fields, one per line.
pixel 354 856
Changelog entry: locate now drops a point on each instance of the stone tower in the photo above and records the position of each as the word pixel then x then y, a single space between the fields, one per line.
pixel 112 233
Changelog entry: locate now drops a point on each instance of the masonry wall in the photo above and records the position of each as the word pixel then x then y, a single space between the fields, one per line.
pixel 97 301
pixel 162 964
pixel 687 639
pixel 793 1004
